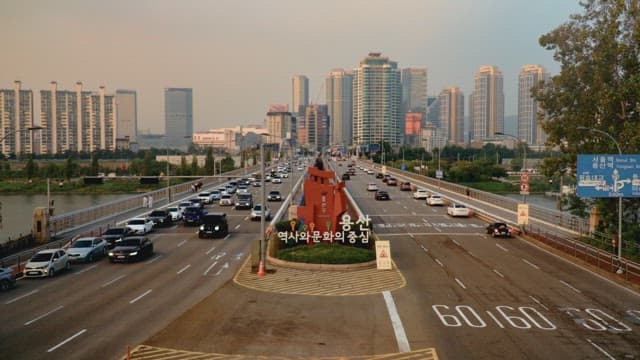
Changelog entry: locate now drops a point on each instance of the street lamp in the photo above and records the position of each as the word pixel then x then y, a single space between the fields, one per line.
pixel 263 244
pixel 12 132
pixel 615 188
pixel 524 157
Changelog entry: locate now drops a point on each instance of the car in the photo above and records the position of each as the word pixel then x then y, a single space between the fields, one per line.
pixel 244 182
pixel 140 226
pixel 244 201
pixel 382 195
pixel 226 200
pixel 500 229
pixel 276 180
pixel 183 205
pixel 160 218
pixel 458 210
pixel 215 195
pixel 131 248
pixel 386 178
pixel 47 263
pixel 196 202
pixel 346 176
pixel 175 212
pixel 114 234
pixel 256 212
pixel 242 189
pixel 435 200
pixel 380 176
pixel 420 194
pixel 7 279
pixel 392 181
pixel 192 215
pixel 372 186
pixel 214 225
pixel 87 249
pixel 370 172
pixel 206 197
pixel 256 183
pixel 284 174
pixel 405 186
pixel 274 195
pixel 231 189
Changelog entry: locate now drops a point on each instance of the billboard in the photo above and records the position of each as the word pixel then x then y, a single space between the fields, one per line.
pixel 607 175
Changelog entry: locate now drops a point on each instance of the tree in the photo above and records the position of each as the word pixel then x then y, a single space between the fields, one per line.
pixel 147 164
pixel 209 162
pixel 69 168
pixel 94 169
pixel 194 165
pixel 31 168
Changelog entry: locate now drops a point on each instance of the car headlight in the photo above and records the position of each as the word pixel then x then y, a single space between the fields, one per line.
pixel 133 253
pixel 110 253
pixel 201 227
pixel 216 228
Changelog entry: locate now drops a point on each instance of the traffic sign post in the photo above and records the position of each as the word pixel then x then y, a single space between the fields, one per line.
pixel 524 183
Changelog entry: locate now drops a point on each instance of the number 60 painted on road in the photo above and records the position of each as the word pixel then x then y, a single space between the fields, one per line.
pixel 472 319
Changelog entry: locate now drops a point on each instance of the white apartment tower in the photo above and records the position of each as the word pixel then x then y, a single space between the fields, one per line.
pixel 486 104
pixel 339 97
pixel 451 116
pixel 529 130
pixel 16 117
pixel 299 92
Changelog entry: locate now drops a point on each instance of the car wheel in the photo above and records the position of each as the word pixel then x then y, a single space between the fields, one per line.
pixel 4 285
pixel 67 266
pixel 90 257
pixel 51 272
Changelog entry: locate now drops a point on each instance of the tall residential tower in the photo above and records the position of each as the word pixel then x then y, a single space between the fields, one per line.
pixel 339 97
pixel 451 101
pixel 486 104
pixel 16 116
pixel 299 92
pixel 529 130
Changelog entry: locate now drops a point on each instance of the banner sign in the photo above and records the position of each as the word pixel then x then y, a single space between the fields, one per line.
pixel 349 231
pixel 607 175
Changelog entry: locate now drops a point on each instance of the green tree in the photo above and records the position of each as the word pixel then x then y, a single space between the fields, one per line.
pixel 227 163
pixel 184 167
pixel 31 168
pixel 194 165
pixel 94 169
pixel 147 164
pixel 209 162
pixel 69 168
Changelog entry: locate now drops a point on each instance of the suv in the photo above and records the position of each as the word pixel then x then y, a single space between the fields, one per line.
pixel 214 225
pixel 256 212
pixel 160 217
pixel 7 280
pixel 244 201
pixel 206 197
pixel 192 215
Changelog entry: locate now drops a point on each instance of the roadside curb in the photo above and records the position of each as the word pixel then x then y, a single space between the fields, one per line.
pixel 319 267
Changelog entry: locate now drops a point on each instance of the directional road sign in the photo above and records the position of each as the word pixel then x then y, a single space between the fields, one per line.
pixel 607 175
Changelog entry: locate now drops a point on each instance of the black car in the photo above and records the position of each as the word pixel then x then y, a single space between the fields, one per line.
pixel 214 225
pixel 161 217
pixel 131 248
pixel 405 186
pixel 114 234
pixel 379 176
pixel 274 196
pixel 500 229
pixel 382 195
pixel 346 176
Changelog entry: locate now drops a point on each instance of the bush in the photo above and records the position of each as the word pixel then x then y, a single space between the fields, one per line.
pixel 327 254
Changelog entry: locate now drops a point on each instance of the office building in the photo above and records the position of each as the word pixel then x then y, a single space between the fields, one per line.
pixel 178 113
pixel 529 129
pixel 16 117
pixel 339 96
pixel 299 92
pixel 486 104
pixel 282 129
pixel 376 102
pixel 414 89
pixel 451 115
pixel 127 115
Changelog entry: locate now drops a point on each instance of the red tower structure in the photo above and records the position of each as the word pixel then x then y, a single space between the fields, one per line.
pixel 324 201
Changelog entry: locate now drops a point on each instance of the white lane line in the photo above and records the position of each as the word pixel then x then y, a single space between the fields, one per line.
pixel 498 272
pixel 21 297
pixel 68 339
pixel 226 237
pixel 154 259
pixel 43 315
pixel 404 206
pixel 411 236
pixel 398 329
pixel 424 248
pixel 495 319
pixel 601 350
pixel 182 243
pixel 140 297
pixel 538 302
pixel 425 221
pixel 460 283
pixel 531 264
pixel 112 281
pixel 183 269
pixel 570 287
pixel 413 213
pixel 456 242
pixel 437 229
pixel 237 226
pixel 502 247
pixel 246 218
pixel 210 250
pixel 439 263
pixel 86 269
pixel 209 268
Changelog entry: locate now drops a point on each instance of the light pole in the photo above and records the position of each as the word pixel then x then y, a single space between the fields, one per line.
pixel 615 188
pixel 263 207
pixel 12 132
pixel 524 157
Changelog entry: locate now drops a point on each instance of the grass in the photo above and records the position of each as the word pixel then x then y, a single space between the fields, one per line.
pixel 327 254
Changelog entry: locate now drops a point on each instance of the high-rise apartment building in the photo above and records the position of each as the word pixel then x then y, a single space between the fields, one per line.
pixel 282 129
pixel 313 127
pixel 178 114
pixel 127 114
pixel 376 102
pixel 299 92
pixel 529 130
pixel 16 117
pixel 414 89
pixel 339 96
pixel 451 102
pixel 486 104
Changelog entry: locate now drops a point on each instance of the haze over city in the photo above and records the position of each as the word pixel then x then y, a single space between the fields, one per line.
pixel 239 57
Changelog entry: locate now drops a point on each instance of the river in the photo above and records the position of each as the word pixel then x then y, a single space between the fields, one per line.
pixel 17 210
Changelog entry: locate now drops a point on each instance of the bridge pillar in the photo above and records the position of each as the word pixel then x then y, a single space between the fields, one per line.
pixel 41 225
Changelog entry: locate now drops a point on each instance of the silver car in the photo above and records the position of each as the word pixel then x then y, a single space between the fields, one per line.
pixel 87 249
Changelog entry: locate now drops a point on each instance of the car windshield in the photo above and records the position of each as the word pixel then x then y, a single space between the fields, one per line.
pixel 191 210
pixel 82 244
pixel 136 222
pixel 157 213
pixel 257 207
pixel 172 209
pixel 114 231
pixel 129 242
pixel 275 193
pixel 41 257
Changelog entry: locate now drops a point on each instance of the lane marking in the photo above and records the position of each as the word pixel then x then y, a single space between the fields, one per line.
pixel 424 248
pixel 68 339
pixel 182 243
pixel 246 218
pixel 226 237
pixel 439 263
pixel 209 268
pixel 237 226
pixel 495 319
pixel 411 236
pixel 21 297
pixel 461 284
pixel 531 264
pixel 183 269
pixel 210 250
pixel 570 287
pixel 43 315
pixel 154 259
pixel 140 297
pixel 601 350
pixel 413 213
pixel 112 281
pixel 398 329
pixel 86 269
pixel 498 272
pixel 225 266
pixel 456 242
pixel 538 302
pixel 502 247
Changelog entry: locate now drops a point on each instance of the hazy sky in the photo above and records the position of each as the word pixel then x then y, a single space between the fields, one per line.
pixel 239 56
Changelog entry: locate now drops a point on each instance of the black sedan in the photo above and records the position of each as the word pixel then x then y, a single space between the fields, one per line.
pixel 500 229
pixel 131 249
pixel 161 217
pixel 114 234
pixel 382 195
pixel 346 176
pixel 274 195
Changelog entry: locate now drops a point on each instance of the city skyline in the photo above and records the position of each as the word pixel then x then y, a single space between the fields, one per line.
pixel 240 57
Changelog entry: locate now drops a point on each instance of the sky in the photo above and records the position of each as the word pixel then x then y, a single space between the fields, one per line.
pixel 239 56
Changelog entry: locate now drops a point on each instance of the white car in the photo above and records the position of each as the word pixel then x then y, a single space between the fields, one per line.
pixel 87 249
pixel 140 226
pixel 175 212
pixel 372 186
pixel 421 194
pixel 256 212
pixel 458 210
pixel 206 197
pixel 47 263
pixel 283 175
pixel 435 200
pixel 276 180
pixel 226 200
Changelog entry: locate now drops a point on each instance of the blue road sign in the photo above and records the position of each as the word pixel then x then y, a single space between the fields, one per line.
pixel 607 175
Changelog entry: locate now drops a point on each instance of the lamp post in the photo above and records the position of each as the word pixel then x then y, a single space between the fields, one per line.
pixel 263 213
pixel 615 188
pixel 16 131
pixel 524 157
